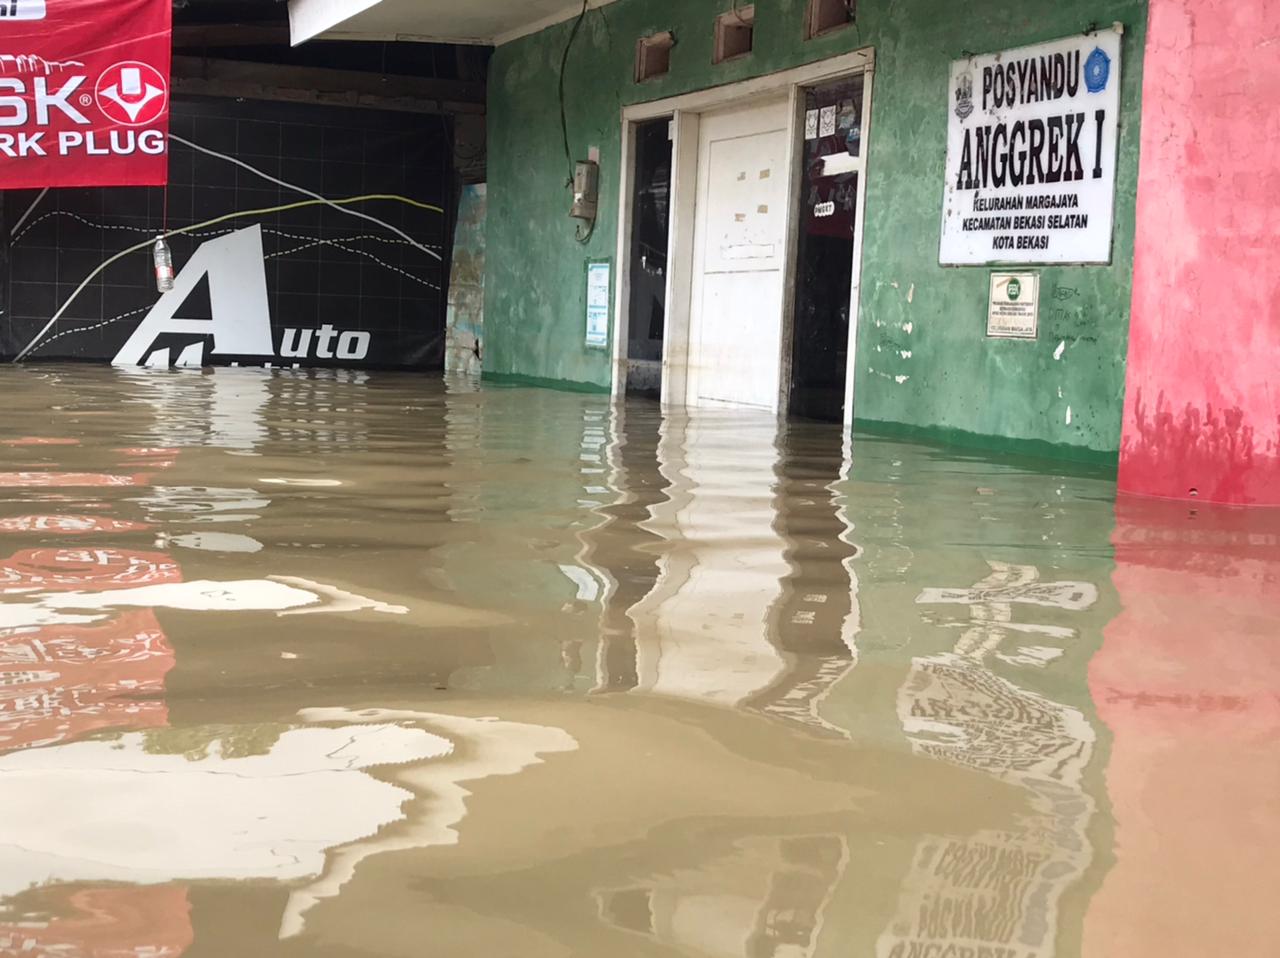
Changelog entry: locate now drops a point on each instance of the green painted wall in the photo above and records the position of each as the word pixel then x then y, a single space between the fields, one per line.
pixel 960 386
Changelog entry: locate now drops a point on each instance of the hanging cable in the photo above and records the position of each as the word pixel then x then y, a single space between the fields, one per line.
pixel 564 63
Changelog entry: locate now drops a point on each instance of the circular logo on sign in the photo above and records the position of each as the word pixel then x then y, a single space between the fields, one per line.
pixel 964 96
pixel 1097 71
pixel 131 93
pixel 1015 290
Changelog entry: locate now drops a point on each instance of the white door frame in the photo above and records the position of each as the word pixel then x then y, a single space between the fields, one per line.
pixel 685 113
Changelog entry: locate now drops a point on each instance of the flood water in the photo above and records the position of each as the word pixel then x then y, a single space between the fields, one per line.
pixel 374 665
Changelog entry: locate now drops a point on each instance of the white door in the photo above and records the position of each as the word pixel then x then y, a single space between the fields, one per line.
pixel 740 251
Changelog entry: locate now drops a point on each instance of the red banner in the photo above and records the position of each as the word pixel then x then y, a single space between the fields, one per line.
pixel 84 92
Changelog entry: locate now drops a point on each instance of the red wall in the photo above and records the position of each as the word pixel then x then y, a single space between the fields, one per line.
pixel 1186 681
pixel 1202 408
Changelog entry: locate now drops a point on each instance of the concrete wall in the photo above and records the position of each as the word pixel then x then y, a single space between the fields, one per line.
pixel 1203 410
pixel 960 385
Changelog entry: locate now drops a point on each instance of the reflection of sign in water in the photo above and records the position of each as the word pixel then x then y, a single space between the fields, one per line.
pixel 956 710
pixel 112 922
pixel 996 892
pixel 598 304
pixel 62 677
pixel 1031 154
pixel 991 604
pixel 69 525
pixel 62 681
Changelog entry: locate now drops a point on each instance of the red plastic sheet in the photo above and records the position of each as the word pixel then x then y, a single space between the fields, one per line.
pixel 84 92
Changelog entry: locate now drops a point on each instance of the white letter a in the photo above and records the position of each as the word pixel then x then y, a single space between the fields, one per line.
pixel 241 324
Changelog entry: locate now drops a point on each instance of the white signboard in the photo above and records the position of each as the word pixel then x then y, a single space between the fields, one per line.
pixel 1031 154
pixel 598 304
pixel 1014 309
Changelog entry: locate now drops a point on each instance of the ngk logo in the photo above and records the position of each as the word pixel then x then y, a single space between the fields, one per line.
pixel 130 93
pixel 21 9
pixel 47 102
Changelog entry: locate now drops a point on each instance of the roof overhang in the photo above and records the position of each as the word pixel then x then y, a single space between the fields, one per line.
pixel 490 22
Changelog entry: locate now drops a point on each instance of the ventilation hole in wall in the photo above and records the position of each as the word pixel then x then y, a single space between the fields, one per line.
pixel 825 15
pixel 1194 492
pixel 735 33
pixel 653 56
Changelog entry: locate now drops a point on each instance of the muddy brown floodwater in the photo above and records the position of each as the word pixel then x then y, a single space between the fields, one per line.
pixel 353 664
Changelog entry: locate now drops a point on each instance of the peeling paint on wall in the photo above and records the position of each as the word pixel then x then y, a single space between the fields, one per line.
pixel 464 320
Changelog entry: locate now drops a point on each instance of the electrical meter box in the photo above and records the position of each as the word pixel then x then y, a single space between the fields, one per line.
pixel 586 190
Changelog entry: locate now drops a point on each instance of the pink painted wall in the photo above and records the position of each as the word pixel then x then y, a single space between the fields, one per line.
pixel 1202 408
pixel 1186 682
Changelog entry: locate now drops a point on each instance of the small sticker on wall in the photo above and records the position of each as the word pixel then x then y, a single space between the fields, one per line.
pixel 827 122
pixel 811 125
pixel 1013 311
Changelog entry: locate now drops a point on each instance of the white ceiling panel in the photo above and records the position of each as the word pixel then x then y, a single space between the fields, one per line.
pixel 450 21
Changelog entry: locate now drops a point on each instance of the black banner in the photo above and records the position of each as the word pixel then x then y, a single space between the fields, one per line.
pixel 300 235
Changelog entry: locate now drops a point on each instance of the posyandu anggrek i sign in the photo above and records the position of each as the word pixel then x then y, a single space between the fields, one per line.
pixel 1031 154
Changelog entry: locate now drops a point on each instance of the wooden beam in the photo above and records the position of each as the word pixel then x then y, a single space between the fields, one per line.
pixel 186 36
pixel 265 81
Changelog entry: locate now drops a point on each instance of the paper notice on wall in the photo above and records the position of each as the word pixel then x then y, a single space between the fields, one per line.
pixel 598 304
pixel 811 124
pixel 827 121
pixel 1014 308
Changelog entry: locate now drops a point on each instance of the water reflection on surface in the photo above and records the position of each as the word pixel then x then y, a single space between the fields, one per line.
pixel 364 664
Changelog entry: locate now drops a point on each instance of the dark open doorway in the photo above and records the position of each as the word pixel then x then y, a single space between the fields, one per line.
pixel 648 306
pixel 824 263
